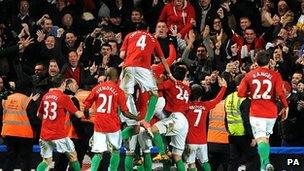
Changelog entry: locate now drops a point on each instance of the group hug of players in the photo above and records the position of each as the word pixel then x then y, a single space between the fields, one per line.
pixel 163 95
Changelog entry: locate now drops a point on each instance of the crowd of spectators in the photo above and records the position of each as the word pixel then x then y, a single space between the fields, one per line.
pixel 82 38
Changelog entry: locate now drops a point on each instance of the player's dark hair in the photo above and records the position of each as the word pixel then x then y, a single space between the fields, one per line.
pixel 68 81
pixel 262 58
pixel 196 92
pixel 57 80
pixel 179 73
pixel 112 73
pixel 141 26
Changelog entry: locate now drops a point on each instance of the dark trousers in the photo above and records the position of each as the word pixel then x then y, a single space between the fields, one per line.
pixel 218 156
pixel 81 147
pixel 21 148
pixel 242 153
pixel 62 161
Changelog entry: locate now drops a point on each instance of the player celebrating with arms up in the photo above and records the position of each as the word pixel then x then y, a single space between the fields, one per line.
pixel 52 110
pixel 136 51
pixel 197 118
pixel 263 85
pixel 108 97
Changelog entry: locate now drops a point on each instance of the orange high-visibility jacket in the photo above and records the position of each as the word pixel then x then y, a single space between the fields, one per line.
pixel 15 120
pixel 217 132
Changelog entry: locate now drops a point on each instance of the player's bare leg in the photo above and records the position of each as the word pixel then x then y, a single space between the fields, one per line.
pixel 145 144
pixel 132 129
pixel 179 162
pixel 74 164
pixel 130 153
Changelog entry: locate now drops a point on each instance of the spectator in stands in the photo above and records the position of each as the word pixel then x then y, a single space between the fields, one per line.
pixel 74 69
pixel 205 11
pixel 114 59
pixel 283 64
pixel 164 39
pixel 122 7
pixel 48 47
pixel 53 68
pixel 115 22
pixel 137 17
pixel 290 127
pixel 180 14
pixel 22 17
pixel 245 22
pixel 67 21
pixel 44 83
pixel 102 59
pixel 46 24
pixel 296 77
pixel 198 62
pixel 248 43
pixel 70 42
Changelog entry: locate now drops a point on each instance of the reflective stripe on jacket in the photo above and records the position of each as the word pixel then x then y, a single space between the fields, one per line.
pixel 15 120
pixel 233 114
pixel 216 129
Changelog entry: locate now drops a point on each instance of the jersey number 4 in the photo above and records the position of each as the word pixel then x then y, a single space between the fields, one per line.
pixel 50 110
pixel 105 106
pixel 257 94
pixel 141 42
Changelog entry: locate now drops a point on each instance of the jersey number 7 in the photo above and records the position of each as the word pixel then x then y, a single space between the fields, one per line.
pixel 199 115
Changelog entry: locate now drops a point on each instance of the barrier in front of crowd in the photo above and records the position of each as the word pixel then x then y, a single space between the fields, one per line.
pixel 283 158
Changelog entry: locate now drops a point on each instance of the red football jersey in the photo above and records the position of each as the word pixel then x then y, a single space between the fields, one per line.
pixel 159 69
pixel 54 107
pixel 139 47
pixel 262 85
pixel 176 95
pixel 197 117
pixel 107 97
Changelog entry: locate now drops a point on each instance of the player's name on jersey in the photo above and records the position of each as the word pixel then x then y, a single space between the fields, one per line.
pixel 103 88
pixel 51 97
pixel 263 74
pixel 145 33
pixel 197 107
